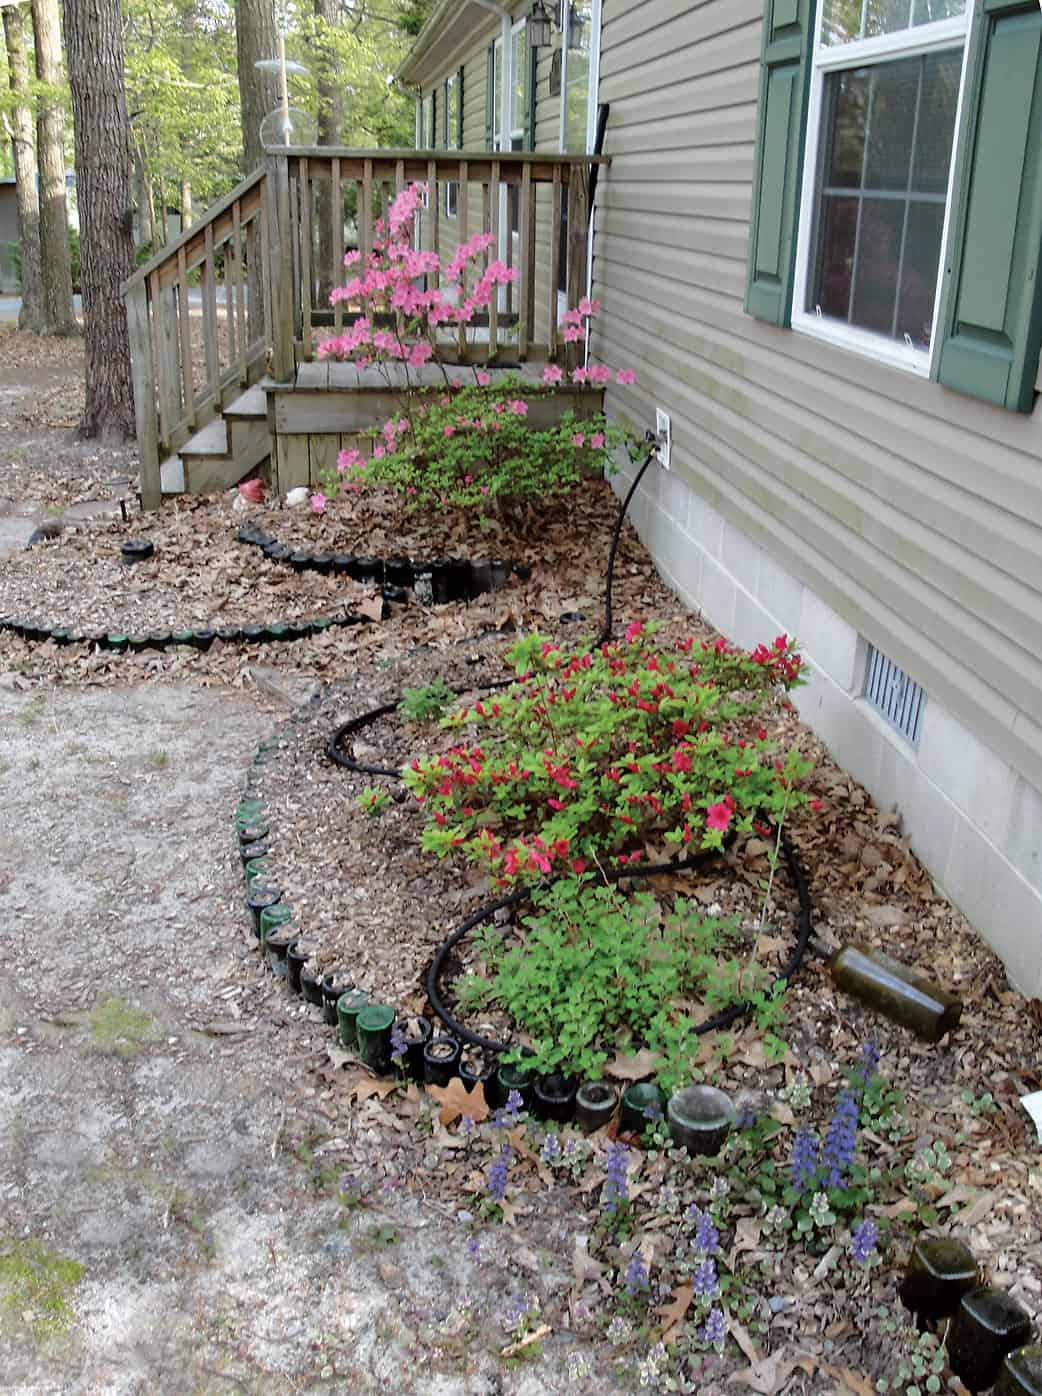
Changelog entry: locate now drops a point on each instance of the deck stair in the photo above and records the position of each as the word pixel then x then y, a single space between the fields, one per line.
pixel 224 451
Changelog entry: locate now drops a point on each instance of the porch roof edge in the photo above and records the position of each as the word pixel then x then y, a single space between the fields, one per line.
pixel 413 69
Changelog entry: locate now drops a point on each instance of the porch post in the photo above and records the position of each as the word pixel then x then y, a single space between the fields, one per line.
pixel 279 269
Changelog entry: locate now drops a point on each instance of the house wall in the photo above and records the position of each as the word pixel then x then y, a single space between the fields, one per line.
pixel 815 491
pixel 10 277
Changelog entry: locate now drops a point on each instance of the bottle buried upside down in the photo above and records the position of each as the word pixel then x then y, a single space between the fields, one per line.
pixel 900 993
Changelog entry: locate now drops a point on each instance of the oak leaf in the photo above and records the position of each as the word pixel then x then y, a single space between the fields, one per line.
pixel 675 1312
pixel 363 1087
pixel 456 1101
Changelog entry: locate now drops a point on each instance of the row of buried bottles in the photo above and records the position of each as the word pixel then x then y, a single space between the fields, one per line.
pixel 440 581
pixel 699 1117
pixel 989 1333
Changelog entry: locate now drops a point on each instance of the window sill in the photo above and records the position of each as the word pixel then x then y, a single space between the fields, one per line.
pixel 866 345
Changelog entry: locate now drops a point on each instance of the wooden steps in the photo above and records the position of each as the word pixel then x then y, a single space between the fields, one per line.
pixel 221 453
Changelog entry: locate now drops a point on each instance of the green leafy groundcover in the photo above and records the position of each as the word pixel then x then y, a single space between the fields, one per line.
pixel 598 970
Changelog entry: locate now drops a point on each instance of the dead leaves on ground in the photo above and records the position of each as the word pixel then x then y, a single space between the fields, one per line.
pixel 456 1101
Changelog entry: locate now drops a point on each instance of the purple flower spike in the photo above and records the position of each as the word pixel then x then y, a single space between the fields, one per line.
pixel 864 1240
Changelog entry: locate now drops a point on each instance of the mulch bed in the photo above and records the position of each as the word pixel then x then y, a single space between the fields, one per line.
pixel 379 908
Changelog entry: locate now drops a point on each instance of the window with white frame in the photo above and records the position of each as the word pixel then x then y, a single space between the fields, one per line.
pixel 884 101
pixel 451 109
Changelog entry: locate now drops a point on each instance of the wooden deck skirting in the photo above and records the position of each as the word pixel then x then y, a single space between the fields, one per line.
pixel 246 290
pixel 333 406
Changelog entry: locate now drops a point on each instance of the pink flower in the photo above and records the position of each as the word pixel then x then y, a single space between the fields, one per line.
pixel 379 451
pixel 718 816
pixel 519 407
pixel 625 376
pixel 350 258
pixel 588 307
pixel 597 440
pixel 483 489
pixel 599 373
pixel 578 439
pixel 457 382
pixel 484 379
pixel 448 431
pixel 580 375
pixel 468 479
pixel 552 373
pixel 318 503
pixel 571 334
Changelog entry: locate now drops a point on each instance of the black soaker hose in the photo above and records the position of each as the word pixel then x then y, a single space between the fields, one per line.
pixel 356 724
pixel 719 1020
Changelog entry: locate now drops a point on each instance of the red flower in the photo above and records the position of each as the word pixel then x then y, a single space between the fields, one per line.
pixel 718 816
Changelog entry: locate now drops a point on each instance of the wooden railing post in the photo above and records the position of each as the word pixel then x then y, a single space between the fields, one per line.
pixel 280 267
pixel 143 373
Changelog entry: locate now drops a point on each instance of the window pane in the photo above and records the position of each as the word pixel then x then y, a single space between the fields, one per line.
pixel 930 11
pixel 933 146
pixel 895 90
pixel 847 128
pixel 841 21
pixel 878 259
pixel 886 17
pixel 519 49
pixel 577 76
pixel 497 90
pixel 919 272
pixel 887 144
pixel 835 257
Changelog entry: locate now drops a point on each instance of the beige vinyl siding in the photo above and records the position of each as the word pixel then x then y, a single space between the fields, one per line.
pixel 914 512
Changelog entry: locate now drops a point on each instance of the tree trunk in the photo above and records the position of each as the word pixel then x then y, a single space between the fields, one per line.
pixel 186 204
pixel 94 42
pixel 146 215
pixel 30 317
pixel 58 317
pixel 330 132
pixel 255 38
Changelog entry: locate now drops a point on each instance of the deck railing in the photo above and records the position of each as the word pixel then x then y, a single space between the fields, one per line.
pixel 195 315
pixel 247 287
pixel 324 201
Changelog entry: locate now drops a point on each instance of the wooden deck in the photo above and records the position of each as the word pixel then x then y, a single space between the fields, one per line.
pixel 264 259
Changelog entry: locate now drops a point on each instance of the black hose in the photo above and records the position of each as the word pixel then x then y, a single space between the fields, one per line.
pixel 719 1020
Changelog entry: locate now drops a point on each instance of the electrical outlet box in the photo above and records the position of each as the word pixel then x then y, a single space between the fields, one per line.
pixel 664 432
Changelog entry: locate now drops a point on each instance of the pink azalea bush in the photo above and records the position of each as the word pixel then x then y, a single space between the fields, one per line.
pixel 461 444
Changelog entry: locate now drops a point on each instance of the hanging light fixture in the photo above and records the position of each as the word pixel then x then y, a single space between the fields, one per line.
pixel 540 25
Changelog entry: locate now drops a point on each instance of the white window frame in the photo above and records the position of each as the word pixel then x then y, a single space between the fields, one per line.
pixel 592 100
pixel 825 59
pixel 451 201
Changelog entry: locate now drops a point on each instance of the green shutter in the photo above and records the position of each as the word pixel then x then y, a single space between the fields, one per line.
pixel 490 99
pixel 459 109
pixel 992 317
pixel 531 70
pixel 788 31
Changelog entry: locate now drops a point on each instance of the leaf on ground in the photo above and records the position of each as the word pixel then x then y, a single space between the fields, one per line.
pixel 675 1312
pixel 363 1087
pixel 743 1340
pixel 746 1237
pixel 583 1264
pixel 853 1383
pixel 768 1375
pixel 634 1067
pixel 456 1101
pixel 516 1140
pixel 885 916
pixel 372 607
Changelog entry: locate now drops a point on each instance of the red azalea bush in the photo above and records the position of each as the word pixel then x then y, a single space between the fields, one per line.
pixel 605 757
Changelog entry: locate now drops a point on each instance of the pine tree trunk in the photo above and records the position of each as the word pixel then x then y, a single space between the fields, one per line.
pixel 146 216
pixel 30 316
pixel 186 204
pixel 94 43
pixel 58 317
pixel 258 94
pixel 330 132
